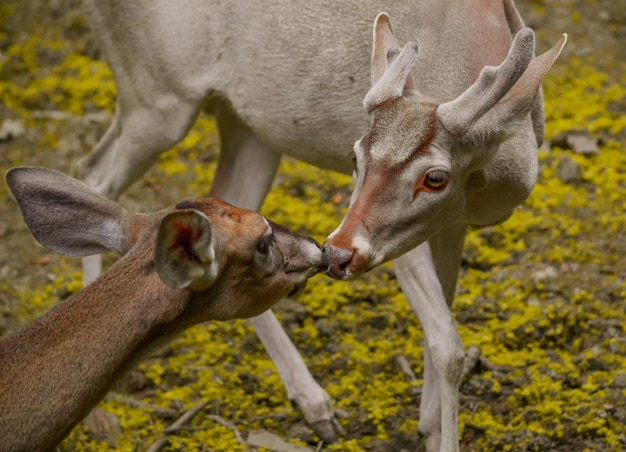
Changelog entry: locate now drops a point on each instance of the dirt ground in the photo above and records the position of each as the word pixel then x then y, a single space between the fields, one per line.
pixel 541 297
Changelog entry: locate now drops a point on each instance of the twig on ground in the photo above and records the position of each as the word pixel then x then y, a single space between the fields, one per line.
pixel 186 417
pixel 58 115
pixel 405 367
pixel 224 423
pixel 403 364
pixel 484 362
pixel 337 426
pixel 274 417
pixel 168 413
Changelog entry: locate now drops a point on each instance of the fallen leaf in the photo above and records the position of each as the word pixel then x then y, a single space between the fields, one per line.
pixel 43 260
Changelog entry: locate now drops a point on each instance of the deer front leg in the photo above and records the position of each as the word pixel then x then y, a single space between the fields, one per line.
pixel 302 389
pixel 427 276
pixel 244 175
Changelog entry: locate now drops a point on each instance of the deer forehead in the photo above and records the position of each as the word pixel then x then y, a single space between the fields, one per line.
pixel 227 220
pixel 401 130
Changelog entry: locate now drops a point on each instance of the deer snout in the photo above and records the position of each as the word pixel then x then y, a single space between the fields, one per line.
pixel 301 254
pixel 346 263
pixel 339 259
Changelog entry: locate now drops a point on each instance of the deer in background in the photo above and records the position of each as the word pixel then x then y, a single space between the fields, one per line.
pixel 456 119
pixel 199 260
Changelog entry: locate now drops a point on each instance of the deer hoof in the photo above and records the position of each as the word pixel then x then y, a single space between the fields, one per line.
pixel 328 429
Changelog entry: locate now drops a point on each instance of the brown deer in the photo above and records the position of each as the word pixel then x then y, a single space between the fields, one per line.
pixel 199 260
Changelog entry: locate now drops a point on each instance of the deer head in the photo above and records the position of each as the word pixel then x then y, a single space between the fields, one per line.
pixel 413 169
pixel 233 262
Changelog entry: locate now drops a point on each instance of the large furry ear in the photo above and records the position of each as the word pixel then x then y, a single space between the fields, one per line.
pixel 66 216
pixel 390 67
pixel 185 252
pixel 502 96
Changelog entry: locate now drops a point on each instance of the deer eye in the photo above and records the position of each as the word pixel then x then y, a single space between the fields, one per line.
pixel 436 179
pixel 263 245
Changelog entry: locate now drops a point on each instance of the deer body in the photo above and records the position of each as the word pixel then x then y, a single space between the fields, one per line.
pixel 294 73
pixel 57 369
pixel 455 118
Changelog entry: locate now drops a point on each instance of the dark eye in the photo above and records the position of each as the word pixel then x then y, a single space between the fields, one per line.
pixel 263 245
pixel 354 163
pixel 436 179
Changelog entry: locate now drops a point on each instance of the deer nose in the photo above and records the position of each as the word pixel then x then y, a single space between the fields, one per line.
pixel 325 262
pixel 339 259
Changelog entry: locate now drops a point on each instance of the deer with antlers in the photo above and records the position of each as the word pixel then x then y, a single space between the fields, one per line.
pixel 449 135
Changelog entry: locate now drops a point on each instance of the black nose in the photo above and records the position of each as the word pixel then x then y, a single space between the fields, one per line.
pixel 339 259
pixel 325 263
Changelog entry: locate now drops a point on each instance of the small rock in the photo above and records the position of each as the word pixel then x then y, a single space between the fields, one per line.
pixel 619 380
pixel 604 15
pixel 568 170
pixel 578 141
pixel 582 144
pixel 262 438
pixel 544 274
pixel 378 445
pixel 325 327
pixel 301 433
pixel 11 128
pixel 104 426
pixel 338 364
pixel 136 380
pixel 291 310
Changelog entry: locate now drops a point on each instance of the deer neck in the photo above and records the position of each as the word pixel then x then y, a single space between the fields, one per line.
pixel 70 358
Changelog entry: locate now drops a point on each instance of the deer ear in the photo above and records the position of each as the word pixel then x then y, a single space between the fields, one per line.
pixel 391 68
pixel 65 215
pixel 502 96
pixel 185 252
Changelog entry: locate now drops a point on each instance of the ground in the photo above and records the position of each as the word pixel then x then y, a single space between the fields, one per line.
pixel 541 296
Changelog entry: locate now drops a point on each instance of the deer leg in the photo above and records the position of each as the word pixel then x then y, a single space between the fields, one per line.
pixel 302 389
pixel 430 404
pixel 246 168
pixel 138 135
pixel 428 277
pixel 244 175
